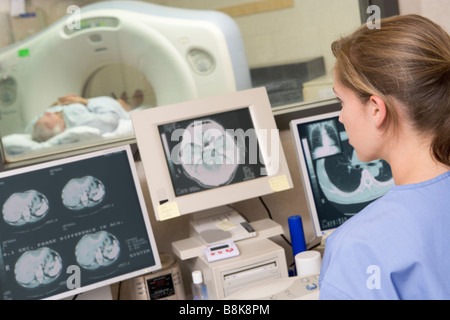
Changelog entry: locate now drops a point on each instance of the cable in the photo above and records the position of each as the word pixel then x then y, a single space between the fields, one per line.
pixel 119 289
pixel 282 235
pixel 270 216
pixel 308 244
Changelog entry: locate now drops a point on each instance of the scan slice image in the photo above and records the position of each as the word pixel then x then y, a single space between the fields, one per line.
pixel 80 193
pixel 38 267
pixel 25 207
pixel 208 155
pixel 363 181
pixel 324 140
pixel 212 151
pixel 97 250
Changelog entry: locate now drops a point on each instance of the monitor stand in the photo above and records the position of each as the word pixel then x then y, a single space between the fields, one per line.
pixel 221 224
pixel 102 293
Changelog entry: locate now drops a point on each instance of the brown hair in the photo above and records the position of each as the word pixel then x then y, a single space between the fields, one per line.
pixel 407 60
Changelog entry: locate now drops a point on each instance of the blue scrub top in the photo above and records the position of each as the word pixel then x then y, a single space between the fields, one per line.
pixel 398 247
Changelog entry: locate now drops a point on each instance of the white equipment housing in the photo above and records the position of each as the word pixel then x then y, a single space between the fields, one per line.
pixel 184 54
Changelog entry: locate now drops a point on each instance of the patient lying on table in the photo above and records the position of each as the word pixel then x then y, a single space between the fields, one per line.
pixel 103 113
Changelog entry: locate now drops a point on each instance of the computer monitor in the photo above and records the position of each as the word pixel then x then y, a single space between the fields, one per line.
pixel 212 152
pixel 73 225
pixel 337 184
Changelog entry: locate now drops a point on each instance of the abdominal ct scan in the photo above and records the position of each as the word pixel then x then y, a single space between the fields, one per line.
pixel 25 207
pixel 80 193
pixel 72 224
pixel 38 267
pixel 97 250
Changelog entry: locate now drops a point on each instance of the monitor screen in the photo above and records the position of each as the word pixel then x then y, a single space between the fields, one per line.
pixel 212 152
pixel 337 184
pixel 73 225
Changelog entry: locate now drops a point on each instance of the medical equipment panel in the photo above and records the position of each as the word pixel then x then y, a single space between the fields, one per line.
pixel 221 251
pixel 165 284
pixel 259 260
pixel 90 23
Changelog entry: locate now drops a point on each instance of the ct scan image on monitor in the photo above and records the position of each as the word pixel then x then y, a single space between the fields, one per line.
pixel 73 225
pixel 210 154
pixel 337 184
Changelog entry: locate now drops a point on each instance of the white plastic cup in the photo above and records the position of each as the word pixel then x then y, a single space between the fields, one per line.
pixel 308 263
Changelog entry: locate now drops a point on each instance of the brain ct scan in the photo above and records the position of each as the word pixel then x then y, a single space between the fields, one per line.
pixel 209 155
pixel 25 207
pixel 38 267
pixel 97 250
pixel 80 193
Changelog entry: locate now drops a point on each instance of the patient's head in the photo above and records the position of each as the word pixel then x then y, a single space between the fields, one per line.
pixel 47 126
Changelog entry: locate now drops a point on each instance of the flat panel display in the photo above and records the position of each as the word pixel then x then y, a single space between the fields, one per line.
pixel 73 225
pixel 337 184
pixel 208 153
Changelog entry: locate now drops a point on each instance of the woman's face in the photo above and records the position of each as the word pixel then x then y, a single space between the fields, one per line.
pixel 358 122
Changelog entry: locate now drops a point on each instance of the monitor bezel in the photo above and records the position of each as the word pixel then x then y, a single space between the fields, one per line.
pixel 146 123
pixel 314 215
pixel 145 216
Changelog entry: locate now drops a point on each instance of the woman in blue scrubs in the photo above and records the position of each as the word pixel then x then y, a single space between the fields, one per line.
pixel 394 84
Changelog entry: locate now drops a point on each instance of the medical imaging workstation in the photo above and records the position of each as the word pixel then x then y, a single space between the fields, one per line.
pixel 140 162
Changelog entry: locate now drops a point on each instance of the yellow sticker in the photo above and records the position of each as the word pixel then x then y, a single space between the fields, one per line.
pixel 279 183
pixel 168 210
pixel 225 225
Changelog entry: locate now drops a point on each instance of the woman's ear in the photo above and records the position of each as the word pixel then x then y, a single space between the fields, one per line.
pixel 378 110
